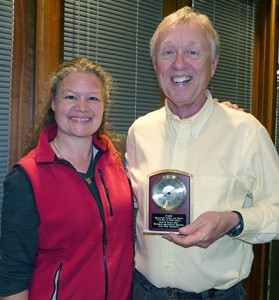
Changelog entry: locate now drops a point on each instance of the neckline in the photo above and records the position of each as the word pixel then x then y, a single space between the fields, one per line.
pixel 89 175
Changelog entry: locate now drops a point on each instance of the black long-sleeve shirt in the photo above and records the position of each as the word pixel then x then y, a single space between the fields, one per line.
pixel 19 233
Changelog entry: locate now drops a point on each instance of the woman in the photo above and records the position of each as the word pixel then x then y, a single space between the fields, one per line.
pixel 67 217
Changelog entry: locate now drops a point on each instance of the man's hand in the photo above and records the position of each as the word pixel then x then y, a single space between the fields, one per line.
pixel 205 230
pixel 229 104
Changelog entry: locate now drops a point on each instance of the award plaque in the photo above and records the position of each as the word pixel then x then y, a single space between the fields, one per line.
pixel 168 206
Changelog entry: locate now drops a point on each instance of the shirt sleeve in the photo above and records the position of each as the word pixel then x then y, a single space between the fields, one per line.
pixel 130 155
pixel 19 233
pixel 261 217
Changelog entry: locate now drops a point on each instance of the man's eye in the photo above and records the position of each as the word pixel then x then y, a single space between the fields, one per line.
pixel 193 54
pixel 168 53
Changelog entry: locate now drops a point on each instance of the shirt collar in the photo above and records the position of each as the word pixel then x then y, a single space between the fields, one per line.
pixel 197 121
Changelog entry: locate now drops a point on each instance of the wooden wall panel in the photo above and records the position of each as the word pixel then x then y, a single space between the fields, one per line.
pixel 38 44
pixel 49 45
pixel 22 94
pixel 265 66
pixel 171 6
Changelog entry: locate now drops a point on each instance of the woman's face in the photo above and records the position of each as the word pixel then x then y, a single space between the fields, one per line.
pixel 79 105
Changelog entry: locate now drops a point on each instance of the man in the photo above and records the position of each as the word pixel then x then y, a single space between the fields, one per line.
pixel 233 165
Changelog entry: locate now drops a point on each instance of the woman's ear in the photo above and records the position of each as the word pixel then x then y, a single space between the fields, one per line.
pixel 53 103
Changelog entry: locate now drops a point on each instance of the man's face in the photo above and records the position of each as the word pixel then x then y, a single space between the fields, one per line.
pixel 183 64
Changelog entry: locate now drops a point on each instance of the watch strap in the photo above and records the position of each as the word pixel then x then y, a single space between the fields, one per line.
pixel 235 231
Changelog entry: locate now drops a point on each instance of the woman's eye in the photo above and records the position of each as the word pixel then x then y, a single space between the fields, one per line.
pixel 70 97
pixel 93 99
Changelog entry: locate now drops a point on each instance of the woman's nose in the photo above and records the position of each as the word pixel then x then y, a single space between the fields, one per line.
pixel 82 104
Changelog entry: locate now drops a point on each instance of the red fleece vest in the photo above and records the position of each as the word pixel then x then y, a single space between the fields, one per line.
pixel 73 258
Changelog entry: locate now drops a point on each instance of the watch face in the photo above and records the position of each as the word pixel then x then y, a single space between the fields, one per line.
pixel 168 192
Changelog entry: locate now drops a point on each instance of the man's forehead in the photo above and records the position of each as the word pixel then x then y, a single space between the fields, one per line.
pixel 191 35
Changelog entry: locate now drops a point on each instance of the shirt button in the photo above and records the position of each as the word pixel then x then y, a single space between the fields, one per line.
pixel 167 267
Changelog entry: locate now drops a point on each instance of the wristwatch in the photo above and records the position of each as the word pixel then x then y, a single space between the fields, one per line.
pixel 238 228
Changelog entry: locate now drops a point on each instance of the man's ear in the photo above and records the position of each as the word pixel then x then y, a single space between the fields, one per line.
pixel 155 67
pixel 154 62
pixel 214 65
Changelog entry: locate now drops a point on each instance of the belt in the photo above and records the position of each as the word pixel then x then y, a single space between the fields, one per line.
pixel 181 294
pixel 174 292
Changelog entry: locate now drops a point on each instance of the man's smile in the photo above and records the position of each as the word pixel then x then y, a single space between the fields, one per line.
pixel 181 79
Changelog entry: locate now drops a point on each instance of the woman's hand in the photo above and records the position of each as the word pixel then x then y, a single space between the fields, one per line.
pixel 229 104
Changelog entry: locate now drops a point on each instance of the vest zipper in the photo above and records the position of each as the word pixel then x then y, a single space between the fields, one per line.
pixel 105 261
pixel 56 283
pixel 107 191
pixel 98 200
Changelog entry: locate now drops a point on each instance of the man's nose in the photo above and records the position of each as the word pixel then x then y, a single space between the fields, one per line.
pixel 181 60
